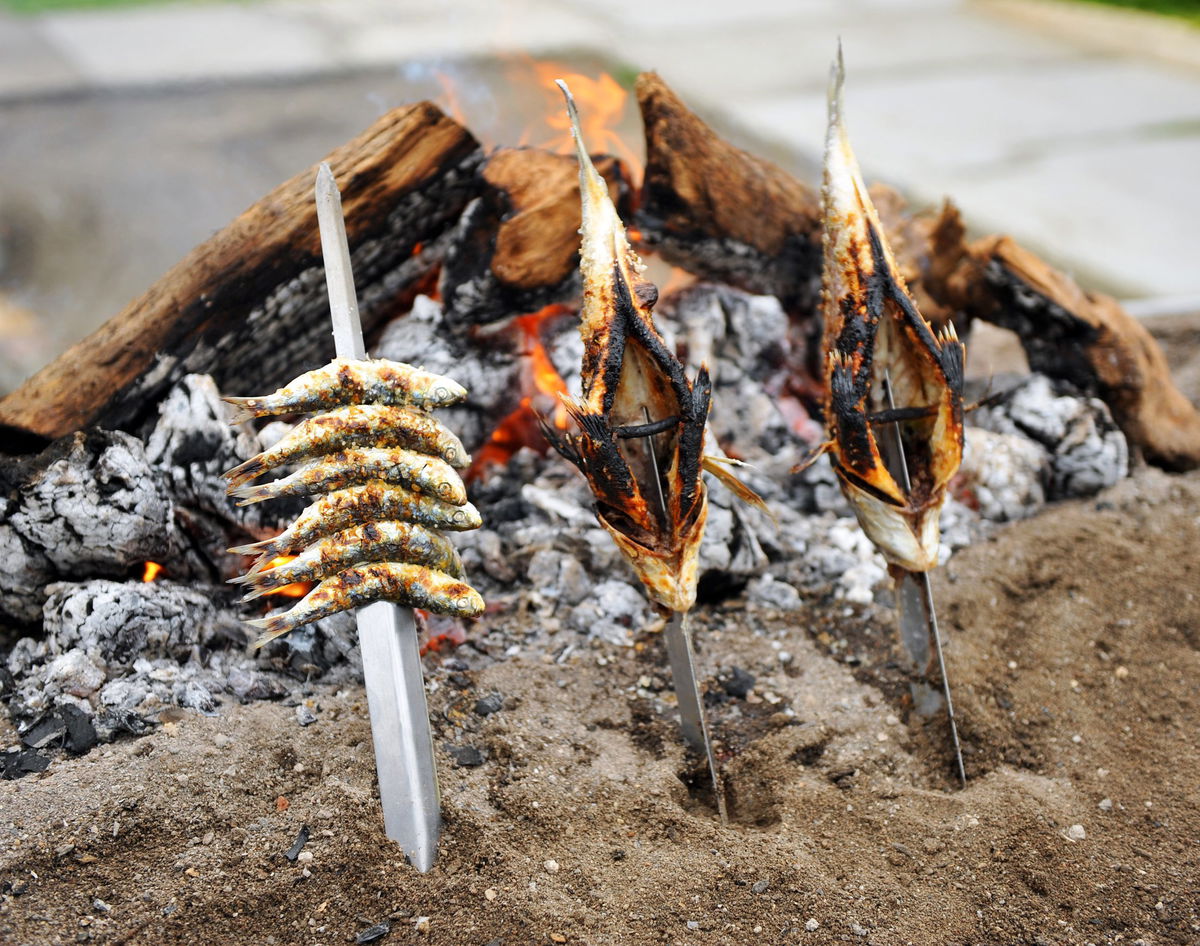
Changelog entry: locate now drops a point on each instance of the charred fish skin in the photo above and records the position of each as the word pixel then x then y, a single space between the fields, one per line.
pixel 357 425
pixel 349 381
pixel 369 542
pixel 873 329
pixel 399 582
pixel 355 505
pixel 648 489
pixel 432 476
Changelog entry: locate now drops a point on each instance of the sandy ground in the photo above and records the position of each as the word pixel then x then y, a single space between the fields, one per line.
pixel 1074 648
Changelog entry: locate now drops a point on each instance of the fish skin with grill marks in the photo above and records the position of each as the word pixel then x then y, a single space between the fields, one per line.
pixel 432 476
pixel 357 425
pixel 369 542
pixel 354 381
pixel 369 502
pixel 398 582
pixel 627 374
pixel 872 328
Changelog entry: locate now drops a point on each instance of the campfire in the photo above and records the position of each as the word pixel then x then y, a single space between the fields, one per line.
pixel 115 522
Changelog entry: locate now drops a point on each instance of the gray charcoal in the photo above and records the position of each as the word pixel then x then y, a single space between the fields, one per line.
pixel 372 933
pixel 248 685
pixel 1002 473
pixel 1086 450
pixel 769 592
pixel 81 734
pixel 119 622
pixel 193 695
pixel 737 682
pixel 18 763
pixel 96 508
pixel 466 757
pixel 298 845
pixel 304 714
pixel 612 610
pixel 487 705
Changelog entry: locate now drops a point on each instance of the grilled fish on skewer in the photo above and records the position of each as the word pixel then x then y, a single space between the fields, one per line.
pixel 349 381
pixel 370 542
pixel 873 328
pixel 357 425
pixel 425 474
pixel 627 370
pixel 413 585
pixel 369 502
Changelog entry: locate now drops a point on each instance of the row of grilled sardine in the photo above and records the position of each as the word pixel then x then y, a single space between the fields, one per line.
pixel 385 472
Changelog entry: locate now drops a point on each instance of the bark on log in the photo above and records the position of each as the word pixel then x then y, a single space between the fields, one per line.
pixel 249 305
pixel 1086 339
pixel 724 214
pixel 517 246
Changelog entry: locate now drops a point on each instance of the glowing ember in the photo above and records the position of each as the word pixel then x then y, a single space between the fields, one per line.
pixel 542 382
pixel 151 571
pixel 297 589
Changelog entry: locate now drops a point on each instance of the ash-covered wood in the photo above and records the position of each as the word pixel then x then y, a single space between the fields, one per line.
pixel 1088 340
pixel 721 213
pixel 248 306
pixel 91 505
pixel 516 248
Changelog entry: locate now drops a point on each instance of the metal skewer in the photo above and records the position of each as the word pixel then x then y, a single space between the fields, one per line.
pixel 387 634
pixel 681 656
pixel 918 618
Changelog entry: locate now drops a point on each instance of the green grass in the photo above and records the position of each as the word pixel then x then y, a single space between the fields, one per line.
pixel 1179 9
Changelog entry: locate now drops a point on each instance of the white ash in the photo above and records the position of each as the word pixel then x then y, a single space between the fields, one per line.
pixel 1001 474
pixel 1086 451
pixel 614 612
pixel 99 509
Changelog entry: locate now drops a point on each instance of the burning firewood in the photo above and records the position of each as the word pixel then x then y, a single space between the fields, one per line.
pixel 892 463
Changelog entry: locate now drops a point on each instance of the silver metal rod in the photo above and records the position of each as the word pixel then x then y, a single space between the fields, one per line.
pixel 928 614
pixel 683 666
pixel 387 634
pixel 687 694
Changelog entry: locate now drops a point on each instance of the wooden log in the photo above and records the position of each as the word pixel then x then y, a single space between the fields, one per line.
pixel 1088 340
pixel 517 246
pixel 722 213
pixel 248 306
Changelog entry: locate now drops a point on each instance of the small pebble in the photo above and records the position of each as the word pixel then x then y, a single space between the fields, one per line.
pixel 760 886
pixel 490 893
pixel 812 924
pixel 551 866
pixel 1121 673
pixel 693 924
pixel 421 924
pixel 1076 832
pixel 372 933
pixel 1105 804
pixel 305 857
pixel 486 705
pixel 858 929
pixel 221 741
pixel 304 715
pixel 100 906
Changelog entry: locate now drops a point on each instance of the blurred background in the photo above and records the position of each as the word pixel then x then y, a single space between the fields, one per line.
pixel 130 131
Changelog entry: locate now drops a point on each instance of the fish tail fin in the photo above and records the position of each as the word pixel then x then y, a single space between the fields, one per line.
pixel 265 547
pixel 272 627
pixel 247 495
pixel 251 469
pixel 246 409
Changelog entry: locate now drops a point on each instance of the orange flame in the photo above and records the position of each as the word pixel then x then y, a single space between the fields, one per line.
pixel 521 428
pixel 297 589
pixel 602 105
pixel 151 571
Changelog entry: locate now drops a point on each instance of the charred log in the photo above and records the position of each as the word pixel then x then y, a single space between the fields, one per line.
pixel 724 214
pixel 1089 341
pixel 516 248
pixel 248 306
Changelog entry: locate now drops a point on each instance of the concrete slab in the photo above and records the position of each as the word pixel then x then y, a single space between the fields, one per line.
pixel 746 61
pixel 28 64
pixel 172 44
pixel 1121 215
